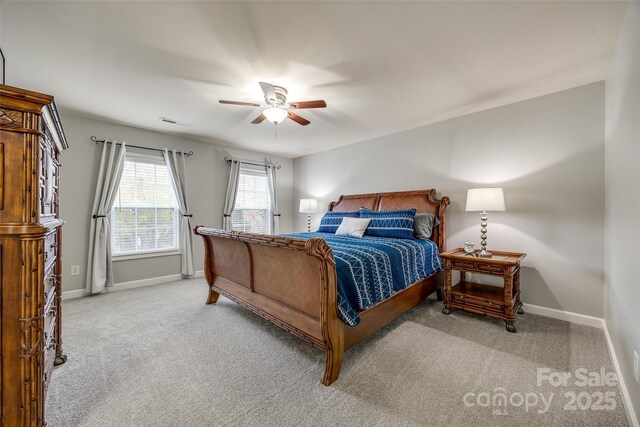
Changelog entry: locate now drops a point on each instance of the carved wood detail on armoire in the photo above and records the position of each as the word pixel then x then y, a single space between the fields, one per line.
pixel 31 140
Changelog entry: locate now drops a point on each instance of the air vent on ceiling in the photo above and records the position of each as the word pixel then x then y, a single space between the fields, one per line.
pixel 175 122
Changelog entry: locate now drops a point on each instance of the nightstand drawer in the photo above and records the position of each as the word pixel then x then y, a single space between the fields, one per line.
pixel 481 306
pixel 481 302
pixel 488 268
pixel 477 267
pixel 463 265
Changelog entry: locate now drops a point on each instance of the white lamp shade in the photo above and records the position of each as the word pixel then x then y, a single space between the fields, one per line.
pixel 308 205
pixel 485 199
pixel 275 114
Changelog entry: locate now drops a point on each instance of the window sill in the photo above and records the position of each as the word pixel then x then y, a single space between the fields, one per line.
pixel 141 255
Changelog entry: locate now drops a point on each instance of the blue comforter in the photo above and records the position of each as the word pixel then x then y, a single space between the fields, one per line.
pixel 371 269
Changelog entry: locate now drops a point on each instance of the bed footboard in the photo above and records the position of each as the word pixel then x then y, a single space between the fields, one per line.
pixel 290 282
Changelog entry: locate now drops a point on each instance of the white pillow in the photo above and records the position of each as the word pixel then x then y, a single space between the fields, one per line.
pixel 353 226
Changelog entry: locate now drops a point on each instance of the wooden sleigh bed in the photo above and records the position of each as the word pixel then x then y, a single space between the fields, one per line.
pixel 292 282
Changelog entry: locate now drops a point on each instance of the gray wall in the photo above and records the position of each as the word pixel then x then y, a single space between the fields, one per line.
pixel 622 225
pixel 207 175
pixel 547 153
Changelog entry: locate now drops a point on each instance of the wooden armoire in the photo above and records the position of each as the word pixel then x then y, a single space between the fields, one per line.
pixel 31 139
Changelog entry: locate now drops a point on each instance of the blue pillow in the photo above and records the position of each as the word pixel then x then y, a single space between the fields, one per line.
pixel 396 224
pixel 332 220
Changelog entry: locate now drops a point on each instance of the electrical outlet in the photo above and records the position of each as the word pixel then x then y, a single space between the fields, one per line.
pixel 635 365
pixel 75 270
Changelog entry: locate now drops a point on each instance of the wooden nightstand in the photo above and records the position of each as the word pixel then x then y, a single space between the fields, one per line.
pixel 499 302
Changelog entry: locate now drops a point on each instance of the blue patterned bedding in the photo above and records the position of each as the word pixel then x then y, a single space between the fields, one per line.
pixel 371 269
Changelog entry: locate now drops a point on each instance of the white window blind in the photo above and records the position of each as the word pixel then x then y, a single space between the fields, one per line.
pixel 252 212
pixel 144 217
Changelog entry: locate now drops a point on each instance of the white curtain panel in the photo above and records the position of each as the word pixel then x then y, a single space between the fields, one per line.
pixel 100 268
pixel 275 213
pixel 232 192
pixel 177 169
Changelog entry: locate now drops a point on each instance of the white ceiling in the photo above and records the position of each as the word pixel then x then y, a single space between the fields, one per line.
pixel 382 67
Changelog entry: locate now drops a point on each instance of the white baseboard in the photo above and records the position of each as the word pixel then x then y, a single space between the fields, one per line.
pixel 74 294
pixel 142 283
pixel 567 316
pixel 130 285
pixel 631 413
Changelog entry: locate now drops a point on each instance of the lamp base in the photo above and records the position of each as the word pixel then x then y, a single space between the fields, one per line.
pixel 484 254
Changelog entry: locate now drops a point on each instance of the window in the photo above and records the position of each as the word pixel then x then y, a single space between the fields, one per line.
pixel 252 212
pixel 144 217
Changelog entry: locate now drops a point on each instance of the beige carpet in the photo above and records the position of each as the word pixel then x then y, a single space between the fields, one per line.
pixel 158 356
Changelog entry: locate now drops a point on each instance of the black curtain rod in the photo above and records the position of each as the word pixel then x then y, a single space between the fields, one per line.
pixel 104 141
pixel 3 67
pixel 229 160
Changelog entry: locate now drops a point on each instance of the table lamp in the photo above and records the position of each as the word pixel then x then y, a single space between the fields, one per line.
pixel 308 206
pixel 484 199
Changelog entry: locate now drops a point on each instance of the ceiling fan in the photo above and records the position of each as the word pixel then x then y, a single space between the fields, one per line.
pixel 277 108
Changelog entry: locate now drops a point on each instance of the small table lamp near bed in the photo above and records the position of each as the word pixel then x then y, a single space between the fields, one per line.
pixel 485 199
pixel 308 206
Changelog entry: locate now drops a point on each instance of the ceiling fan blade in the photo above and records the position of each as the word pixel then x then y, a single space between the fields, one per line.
pixel 259 119
pixel 308 104
pixel 268 90
pixel 296 118
pixel 250 104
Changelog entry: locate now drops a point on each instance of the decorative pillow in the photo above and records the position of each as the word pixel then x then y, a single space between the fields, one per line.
pixel 397 224
pixel 331 221
pixel 423 225
pixel 353 226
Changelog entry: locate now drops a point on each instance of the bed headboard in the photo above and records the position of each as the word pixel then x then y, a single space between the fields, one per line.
pixel 424 200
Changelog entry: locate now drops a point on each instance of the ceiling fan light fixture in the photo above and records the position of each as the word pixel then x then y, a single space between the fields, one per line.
pixel 275 114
